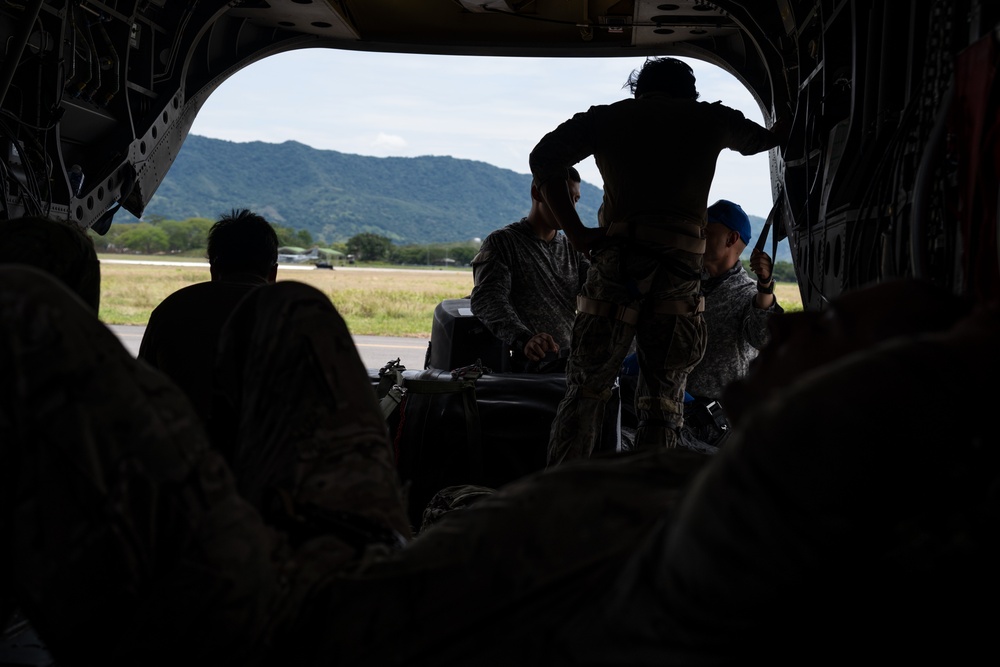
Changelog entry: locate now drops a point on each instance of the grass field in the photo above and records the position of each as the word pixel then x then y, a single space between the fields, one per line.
pixel 373 302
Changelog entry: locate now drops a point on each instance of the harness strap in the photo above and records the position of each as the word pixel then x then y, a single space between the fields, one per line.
pixel 631 315
pixel 678 307
pixel 693 241
pixel 607 309
pixel 390 401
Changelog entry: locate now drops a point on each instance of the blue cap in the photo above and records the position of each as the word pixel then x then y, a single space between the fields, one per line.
pixel 731 215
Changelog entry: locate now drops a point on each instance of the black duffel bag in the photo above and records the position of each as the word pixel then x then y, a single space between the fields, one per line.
pixel 473 427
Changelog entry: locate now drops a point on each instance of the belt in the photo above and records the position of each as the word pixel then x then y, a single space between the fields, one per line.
pixel 686 236
pixel 631 315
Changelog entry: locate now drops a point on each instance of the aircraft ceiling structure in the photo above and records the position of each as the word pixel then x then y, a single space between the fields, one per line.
pixel 868 187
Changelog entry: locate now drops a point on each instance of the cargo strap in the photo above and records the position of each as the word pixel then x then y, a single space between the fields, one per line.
pixel 607 309
pixel 631 315
pixel 691 239
pixel 394 389
pixel 390 387
pixel 773 218
pixel 679 307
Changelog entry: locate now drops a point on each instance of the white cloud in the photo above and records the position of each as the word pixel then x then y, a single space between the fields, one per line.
pixel 389 141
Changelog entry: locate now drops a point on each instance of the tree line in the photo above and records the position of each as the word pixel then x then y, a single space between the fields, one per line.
pixel 159 236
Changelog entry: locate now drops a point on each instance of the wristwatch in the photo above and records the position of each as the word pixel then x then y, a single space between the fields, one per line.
pixel 766 288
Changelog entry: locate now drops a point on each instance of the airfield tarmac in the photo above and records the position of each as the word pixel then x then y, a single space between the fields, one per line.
pixel 375 351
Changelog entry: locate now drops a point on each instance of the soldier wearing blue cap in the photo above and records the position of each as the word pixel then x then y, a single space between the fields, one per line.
pixel 737 307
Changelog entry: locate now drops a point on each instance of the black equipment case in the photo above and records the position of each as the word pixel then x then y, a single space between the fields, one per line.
pixel 459 339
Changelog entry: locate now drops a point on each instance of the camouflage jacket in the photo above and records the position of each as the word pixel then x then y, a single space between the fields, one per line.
pixel 737 330
pixel 524 286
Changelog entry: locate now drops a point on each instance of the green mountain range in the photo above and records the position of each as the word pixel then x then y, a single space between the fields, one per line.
pixel 335 195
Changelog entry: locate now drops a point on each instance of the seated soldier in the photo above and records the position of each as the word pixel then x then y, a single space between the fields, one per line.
pixel 849 494
pixel 61 249
pixel 183 331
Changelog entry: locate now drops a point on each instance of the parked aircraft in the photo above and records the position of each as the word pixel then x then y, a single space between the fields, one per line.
pixel 294 255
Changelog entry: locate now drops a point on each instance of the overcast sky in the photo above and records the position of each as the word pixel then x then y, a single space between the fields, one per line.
pixel 489 109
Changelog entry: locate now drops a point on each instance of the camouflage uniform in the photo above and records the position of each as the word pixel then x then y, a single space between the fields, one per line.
pixel 737 330
pixel 295 414
pixel 128 543
pixel 451 499
pixel 667 346
pixel 116 511
pixel 657 156
pixel 123 528
pixel 60 248
pixel 525 286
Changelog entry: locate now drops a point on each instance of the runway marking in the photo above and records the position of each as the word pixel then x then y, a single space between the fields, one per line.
pixel 393 347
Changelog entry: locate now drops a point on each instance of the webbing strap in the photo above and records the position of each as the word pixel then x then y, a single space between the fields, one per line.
pixel 607 309
pixel 470 407
pixel 389 402
pixel 678 307
pixel 631 315
pixel 694 242
pixel 389 391
pixel 772 219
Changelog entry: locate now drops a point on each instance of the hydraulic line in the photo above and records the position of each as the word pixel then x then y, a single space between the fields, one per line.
pixel 13 57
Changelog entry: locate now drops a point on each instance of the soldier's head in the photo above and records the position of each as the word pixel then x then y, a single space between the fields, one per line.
pixel 243 243
pixel 59 248
pixel 663 75
pixel 540 216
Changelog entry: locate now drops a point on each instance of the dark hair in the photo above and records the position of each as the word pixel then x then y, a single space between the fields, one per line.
pixel 572 175
pixel 242 242
pixel 59 247
pixel 663 75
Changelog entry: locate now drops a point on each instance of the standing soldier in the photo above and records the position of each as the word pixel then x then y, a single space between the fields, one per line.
pixel 657 155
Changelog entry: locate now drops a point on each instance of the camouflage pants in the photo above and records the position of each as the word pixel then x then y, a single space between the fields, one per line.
pixel 668 347
pixel 296 417
pixel 125 539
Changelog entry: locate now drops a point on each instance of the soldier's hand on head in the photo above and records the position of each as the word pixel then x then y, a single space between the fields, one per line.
pixel 760 264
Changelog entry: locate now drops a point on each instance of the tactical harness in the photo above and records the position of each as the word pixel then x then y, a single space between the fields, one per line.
pixel 638 237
